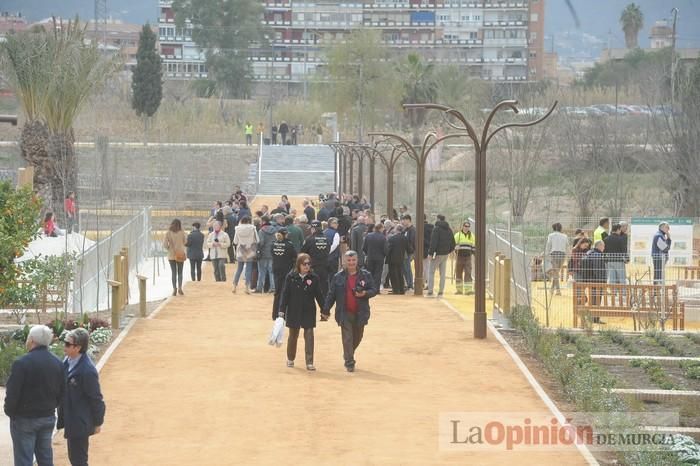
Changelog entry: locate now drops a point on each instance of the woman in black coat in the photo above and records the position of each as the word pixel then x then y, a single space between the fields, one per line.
pixel 301 288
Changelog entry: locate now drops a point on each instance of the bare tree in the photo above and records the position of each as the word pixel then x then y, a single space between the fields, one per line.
pixel 521 155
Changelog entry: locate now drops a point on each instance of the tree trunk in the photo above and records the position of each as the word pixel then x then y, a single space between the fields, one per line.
pixel 33 146
pixel 65 175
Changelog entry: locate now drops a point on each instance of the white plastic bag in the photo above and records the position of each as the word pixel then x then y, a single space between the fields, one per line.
pixel 277 333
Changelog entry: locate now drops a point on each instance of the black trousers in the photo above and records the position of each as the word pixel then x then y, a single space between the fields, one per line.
pixel 196 269
pixel 323 280
pixel 396 276
pixel 352 336
pixel 176 273
pixel 308 344
pixel 78 450
pixel 279 277
pixel 375 267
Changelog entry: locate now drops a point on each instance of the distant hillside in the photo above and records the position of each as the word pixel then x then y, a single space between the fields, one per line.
pixel 600 24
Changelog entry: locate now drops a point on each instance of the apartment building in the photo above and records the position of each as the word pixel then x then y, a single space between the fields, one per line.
pixel 490 39
pixel 182 58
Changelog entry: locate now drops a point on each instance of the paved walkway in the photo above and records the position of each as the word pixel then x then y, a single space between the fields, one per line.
pixel 199 385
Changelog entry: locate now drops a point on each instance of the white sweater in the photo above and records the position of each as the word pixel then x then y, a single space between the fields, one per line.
pixel 246 235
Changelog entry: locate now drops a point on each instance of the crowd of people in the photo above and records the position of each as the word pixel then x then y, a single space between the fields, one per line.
pixel 283 133
pixel 298 256
pixel 602 259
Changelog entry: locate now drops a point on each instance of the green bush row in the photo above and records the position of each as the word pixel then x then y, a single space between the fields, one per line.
pixel 586 384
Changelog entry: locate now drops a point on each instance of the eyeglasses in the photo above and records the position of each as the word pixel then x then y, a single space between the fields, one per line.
pixel 466 226
pixel 68 343
pixel 306 263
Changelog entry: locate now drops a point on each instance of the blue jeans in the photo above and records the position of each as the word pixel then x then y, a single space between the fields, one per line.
pixel 407 271
pixel 32 437
pixel 616 273
pixel 248 273
pixel 265 269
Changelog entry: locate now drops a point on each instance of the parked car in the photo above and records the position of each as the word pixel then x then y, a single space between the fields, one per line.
pixel 594 112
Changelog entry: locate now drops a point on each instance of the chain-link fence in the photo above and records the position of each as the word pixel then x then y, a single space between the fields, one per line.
pixel 569 287
pixel 90 291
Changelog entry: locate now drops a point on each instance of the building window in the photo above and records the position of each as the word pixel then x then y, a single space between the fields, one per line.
pixel 534 17
pixel 533 54
pixel 533 35
pixel 476 18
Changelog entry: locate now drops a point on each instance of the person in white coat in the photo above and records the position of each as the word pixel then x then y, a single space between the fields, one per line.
pixel 246 242
pixel 218 242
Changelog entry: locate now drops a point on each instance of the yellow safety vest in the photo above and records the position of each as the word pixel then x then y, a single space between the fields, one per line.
pixel 598 234
pixel 249 129
pixel 461 238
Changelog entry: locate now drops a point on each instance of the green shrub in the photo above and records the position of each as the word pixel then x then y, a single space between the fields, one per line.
pixel 691 369
pixel 9 351
pixel 655 372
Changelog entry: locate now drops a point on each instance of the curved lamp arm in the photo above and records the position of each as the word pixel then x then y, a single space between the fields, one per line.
pixel 520 125
pixel 449 111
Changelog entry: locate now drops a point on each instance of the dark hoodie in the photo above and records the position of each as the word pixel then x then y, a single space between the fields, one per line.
pixel 267 238
pixel 442 241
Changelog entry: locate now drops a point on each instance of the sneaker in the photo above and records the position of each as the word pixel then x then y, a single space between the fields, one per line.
pixel 439 295
pixel 290 363
pixel 429 294
pixel 310 367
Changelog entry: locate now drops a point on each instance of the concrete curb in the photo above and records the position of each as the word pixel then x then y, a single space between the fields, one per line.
pixel 583 449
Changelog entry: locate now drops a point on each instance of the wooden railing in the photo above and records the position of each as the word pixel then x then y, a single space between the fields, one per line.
pixel 648 303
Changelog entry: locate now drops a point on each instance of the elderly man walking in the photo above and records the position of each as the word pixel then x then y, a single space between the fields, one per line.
pixel 83 410
pixel 350 291
pixel 34 391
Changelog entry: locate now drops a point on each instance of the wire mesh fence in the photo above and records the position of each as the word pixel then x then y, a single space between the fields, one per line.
pixel 573 288
pixel 90 291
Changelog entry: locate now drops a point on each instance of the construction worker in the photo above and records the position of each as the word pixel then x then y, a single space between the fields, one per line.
pixel 248 133
pixel 601 232
pixel 465 244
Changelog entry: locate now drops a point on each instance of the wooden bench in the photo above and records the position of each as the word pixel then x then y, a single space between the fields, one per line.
pixel 634 301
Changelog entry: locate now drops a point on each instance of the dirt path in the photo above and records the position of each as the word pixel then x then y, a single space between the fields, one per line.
pixel 198 385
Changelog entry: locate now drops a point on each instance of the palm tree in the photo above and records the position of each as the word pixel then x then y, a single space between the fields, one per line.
pixel 419 87
pixel 53 73
pixel 632 21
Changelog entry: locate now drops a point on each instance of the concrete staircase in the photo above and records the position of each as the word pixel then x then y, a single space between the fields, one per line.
pixel 297 170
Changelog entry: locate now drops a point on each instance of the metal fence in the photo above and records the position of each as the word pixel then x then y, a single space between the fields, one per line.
pixel 534 283
pixel 90 291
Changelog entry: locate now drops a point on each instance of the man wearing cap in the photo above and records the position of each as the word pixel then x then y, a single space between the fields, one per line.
pixel 284 256
pixel 83 410
pixel 350 291
pixel 318 248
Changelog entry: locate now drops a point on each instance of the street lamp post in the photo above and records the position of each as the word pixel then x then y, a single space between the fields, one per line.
pixel 480 147
pixel 429 142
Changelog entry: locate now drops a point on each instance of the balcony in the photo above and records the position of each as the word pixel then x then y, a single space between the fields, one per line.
pixel 505 24
pixel 517 42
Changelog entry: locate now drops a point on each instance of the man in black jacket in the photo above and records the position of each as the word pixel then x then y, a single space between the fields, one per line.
pixel 374 248
pixel 318 247
pixel 350 291
pixel 410 233
pixel 427 235
pixel 195 251
pixel 442 243
pixel 283 258
pixel 616 255
pixel 83 409
pixel 33 392
pixel 593 271
pixel 397 249
pixel 309 211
